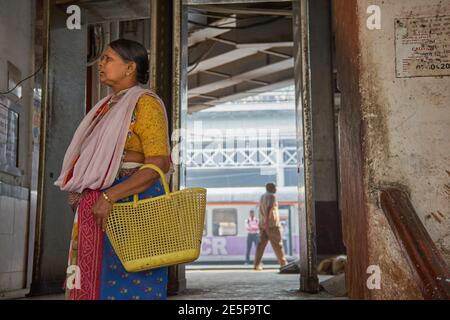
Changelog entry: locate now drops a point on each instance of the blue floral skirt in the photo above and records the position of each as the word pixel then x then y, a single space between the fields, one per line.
pixel 118 284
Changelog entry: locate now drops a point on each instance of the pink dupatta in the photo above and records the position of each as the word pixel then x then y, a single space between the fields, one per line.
pixel 95 153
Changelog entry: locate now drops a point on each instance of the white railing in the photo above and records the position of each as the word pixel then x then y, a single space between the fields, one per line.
pixel 242 158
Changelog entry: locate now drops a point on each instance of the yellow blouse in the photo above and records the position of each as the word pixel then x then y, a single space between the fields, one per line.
pixel 148 129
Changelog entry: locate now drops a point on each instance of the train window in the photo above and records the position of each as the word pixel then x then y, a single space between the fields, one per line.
pixel 205 226
pixel 225 222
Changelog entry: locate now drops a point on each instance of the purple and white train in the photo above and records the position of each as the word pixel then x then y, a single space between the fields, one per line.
pixel 225 234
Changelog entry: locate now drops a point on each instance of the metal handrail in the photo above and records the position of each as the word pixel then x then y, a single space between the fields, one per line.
pixel 419 248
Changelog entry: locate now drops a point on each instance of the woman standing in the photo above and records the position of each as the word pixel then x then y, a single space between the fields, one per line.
pixel 121 133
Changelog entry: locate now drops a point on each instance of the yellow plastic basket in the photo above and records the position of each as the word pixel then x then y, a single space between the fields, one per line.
pixel 160 231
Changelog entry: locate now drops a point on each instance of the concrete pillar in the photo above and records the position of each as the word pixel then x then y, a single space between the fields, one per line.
pixel 320 227
pixel 328 220
pixel 63 109
pixel 167 70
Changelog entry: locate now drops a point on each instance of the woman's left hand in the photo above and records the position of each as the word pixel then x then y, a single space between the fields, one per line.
pixel 101 211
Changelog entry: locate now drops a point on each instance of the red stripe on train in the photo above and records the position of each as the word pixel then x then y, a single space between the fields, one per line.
pixel 250 203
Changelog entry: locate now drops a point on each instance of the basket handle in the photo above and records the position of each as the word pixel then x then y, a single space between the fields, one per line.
pixel 163 180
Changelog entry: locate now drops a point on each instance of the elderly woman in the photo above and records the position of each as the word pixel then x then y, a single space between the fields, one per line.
pixel 123 131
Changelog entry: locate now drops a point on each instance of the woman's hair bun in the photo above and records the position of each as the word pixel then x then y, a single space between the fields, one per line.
pixel 143 78
pixel 130 50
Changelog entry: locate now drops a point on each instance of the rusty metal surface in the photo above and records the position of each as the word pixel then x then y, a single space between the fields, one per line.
pixel 308 274
pixel 39 40
pixel 203 2
pixel 419 249
pixel 351 131
pixel 42 142
pixel 166 79
pixel 179 78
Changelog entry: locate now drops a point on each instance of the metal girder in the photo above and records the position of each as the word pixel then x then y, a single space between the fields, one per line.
pixel 219 60
pixel 249 11
pixel 240 95
pixel 233 49
pixel 203 2
pixel 308 253
pixel 227 76
pixel 277 54
pixel 209 33
pixel 240 51
pixel 250 75
pixel 264 46
pixel 279 30
pixel 243 45
pixel 224 76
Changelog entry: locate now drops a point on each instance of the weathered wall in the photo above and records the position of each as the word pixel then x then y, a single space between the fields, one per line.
pixel 404 141
pixel 16 47
pixel 351 168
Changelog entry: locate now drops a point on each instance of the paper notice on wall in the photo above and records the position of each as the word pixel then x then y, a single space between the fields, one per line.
pixel 422 46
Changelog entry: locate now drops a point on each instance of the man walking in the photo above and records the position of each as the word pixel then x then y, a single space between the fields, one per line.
pixel 269 227
pixel 252 234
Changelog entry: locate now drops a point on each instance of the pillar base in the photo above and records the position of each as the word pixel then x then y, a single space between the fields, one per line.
pixel 309 284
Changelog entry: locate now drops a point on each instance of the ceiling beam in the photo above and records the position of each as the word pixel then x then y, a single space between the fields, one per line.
pixel 209 33
pixel 240 95
pixel 226 57
pixel 264 46
pixel 202 2
pixel 276 54
pixel 246 76
pixel 243 45
pixel 243 10
pixel 241 51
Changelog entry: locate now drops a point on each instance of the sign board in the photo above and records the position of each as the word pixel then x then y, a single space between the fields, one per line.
pixel 422 46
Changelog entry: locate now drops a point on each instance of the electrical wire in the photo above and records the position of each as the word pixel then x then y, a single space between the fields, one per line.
pixel 7 92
